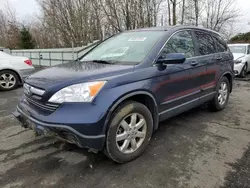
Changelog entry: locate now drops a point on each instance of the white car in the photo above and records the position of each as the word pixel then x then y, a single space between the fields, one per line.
pixel 241 54
pixel 13 70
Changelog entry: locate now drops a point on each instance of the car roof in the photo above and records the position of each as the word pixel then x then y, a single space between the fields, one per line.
pixel 177 27
pixel 239 44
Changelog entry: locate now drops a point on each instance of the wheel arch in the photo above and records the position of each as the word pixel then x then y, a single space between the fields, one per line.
pixel 248 66
pixel 16 72
pixel 230 78
pixel 143 97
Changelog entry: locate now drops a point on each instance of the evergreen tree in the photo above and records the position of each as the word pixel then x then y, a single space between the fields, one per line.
pixel 26 40
pixel 241 38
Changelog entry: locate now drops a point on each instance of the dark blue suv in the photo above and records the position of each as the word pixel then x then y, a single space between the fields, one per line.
pixel 114 97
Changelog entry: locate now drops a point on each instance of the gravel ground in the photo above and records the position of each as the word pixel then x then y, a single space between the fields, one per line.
pixel 196 149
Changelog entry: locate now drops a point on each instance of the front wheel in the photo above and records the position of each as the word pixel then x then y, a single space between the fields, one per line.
pixel 130 131
pixel 222 95
pixel 243 73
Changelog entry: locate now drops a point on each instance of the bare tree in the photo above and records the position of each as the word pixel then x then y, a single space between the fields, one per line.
pixel 73 21
pixel 131 14
pixel 196 10
pixel 64 22
pixel 174 4
pixel 183 11
pixel 169 12
pixel 9 27
pixel 219 14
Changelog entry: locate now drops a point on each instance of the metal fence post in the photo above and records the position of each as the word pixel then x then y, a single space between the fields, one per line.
pixel 50 59
pixel 39 54
pixel 62 57
pixel 73 51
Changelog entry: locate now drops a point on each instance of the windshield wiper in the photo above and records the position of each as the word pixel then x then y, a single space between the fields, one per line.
pixel 103 62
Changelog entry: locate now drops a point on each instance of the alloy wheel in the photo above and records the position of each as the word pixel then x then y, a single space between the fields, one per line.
pixel 223 93
pixel 131 133
pixel 7 80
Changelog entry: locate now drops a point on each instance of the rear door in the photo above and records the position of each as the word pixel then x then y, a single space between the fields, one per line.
pixel 208 58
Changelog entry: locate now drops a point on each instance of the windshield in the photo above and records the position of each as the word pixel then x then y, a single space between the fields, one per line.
pixel 127 48
pixel 238 49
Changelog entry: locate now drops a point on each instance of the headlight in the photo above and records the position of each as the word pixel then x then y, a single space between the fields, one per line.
pixel 238 61
pixel 84 92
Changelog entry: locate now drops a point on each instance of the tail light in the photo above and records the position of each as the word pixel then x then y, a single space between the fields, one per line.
pixel 28 62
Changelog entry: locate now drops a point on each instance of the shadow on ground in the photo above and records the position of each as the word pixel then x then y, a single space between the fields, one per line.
pixel 239 177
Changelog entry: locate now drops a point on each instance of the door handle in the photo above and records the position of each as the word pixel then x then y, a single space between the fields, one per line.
pixel 194 63
pixel 218 58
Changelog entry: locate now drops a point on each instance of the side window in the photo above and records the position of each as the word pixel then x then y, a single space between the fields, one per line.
pixel 248 50
pixel 221 45
pixel 181 42
pixel 206 44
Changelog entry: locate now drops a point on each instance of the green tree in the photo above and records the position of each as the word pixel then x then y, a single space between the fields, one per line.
pixel 26 39
pixel 241 38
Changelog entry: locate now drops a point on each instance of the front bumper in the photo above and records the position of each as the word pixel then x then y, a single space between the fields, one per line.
pixel 64 132
pixel 238 68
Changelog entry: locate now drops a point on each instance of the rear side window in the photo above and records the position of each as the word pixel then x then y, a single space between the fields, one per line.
pixel 206 44
pixel 248 50
pixel 181 42
pixel 221 45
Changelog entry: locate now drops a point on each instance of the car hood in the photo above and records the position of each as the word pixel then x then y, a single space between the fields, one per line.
pixel 75 72
pixel 238 55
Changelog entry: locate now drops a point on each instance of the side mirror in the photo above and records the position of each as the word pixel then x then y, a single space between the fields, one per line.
pixel 173 58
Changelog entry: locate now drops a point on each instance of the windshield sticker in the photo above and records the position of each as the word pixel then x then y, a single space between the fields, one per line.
pixel 116 52
pixel 137 39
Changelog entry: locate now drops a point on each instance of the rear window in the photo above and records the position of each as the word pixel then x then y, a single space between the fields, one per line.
pixel 221 45
pixel 238 49
pixel 206 44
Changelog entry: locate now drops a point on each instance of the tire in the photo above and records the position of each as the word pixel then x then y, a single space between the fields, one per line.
pixel 116 149
pixel 8 80
pixel 216 104
pixel 243 73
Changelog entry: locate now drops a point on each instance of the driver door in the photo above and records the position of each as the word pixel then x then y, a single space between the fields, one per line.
pixel 177 87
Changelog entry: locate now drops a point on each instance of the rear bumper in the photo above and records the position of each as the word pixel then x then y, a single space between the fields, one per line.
pixel 65 132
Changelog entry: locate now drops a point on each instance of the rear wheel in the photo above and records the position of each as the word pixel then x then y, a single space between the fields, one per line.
pixel 244 71
pixel 222 95
pixel 130 131
pixel 8 80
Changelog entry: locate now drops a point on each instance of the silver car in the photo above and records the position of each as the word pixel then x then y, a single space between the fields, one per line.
pixel 241 54
pixel 13 70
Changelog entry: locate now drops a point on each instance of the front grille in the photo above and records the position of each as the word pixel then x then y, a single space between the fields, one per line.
pixel 34 98
pixel 47 106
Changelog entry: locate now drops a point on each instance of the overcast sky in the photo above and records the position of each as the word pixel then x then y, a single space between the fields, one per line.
pixel 26 8
pixel 23 8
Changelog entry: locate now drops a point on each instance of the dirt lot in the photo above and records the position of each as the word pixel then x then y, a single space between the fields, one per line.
pixel 196 149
